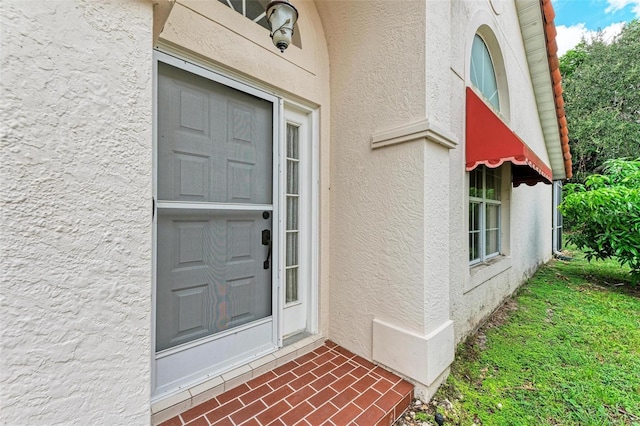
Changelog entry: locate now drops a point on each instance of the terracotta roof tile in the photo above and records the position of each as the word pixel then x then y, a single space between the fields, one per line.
pixel 552 53
pixel 549 13
pixel 550 31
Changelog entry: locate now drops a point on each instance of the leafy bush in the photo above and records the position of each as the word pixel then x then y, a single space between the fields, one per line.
pixel 604 214
pixel 602 98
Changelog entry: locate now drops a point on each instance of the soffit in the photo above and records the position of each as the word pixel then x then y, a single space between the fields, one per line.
pixel 538 34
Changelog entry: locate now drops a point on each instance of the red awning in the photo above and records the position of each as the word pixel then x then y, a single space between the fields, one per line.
pixel 491 142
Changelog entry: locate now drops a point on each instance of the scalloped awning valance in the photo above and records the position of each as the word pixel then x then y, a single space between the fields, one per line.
pixel 490 142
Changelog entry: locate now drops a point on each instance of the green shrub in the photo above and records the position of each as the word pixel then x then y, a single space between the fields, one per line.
pixel 604 214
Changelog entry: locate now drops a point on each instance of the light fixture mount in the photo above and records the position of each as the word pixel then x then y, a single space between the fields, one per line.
pixel 281 16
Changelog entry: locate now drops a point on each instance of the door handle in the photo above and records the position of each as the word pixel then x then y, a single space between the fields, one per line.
pixel 266 241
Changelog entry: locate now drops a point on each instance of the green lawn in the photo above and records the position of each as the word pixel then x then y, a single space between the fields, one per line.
pixel 564 351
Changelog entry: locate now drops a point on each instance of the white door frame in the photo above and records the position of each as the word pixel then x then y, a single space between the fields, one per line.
pixel 307 120
pixel 282 110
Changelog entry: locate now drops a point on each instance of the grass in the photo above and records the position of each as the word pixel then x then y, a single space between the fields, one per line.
pixel 564 351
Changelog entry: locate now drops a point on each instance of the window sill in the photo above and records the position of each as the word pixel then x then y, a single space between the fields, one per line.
pixel 483 272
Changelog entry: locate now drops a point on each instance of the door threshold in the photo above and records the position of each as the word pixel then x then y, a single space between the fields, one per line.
pixel 171 405
pixel 295 338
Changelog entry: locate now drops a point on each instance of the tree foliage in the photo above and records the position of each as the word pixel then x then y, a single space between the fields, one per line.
pixel 601 84
pixel 604 214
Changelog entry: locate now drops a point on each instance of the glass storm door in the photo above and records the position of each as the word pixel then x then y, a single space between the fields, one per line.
pixel 214 293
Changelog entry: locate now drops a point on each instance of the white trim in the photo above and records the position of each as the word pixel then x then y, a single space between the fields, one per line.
pixel 306 119
pixel 435 350
pixel 282 164
pixel 154 225
pixel 409 132
pixel 194 343
pixel 214 75
pixel 313 323
pixel 168 205
pixel 480 273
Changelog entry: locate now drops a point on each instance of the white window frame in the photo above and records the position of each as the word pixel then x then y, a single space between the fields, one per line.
pixel 483 201
pixel 301 115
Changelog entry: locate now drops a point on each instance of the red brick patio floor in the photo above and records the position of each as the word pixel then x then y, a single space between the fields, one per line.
pixel 328 386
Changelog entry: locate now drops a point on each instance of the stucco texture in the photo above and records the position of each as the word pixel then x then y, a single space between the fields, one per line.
pixel 399 225
pixel 76 212
pixel 377 226
pixel 526 237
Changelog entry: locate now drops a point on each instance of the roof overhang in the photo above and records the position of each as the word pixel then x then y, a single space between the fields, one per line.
pixel 538 34
pixel 490 142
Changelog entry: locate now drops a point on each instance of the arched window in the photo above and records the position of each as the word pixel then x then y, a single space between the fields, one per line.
pixel 483 75
pixel 486 231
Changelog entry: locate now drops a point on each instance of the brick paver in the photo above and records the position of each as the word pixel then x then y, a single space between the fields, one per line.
pixel 329 385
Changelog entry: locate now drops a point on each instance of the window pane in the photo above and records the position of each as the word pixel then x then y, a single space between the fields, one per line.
pixel 475 182
pixel 292 249
pixel 474 246
pixel 292 142
pixel 292 177
pixel 292 213
pixel 492 242
pixel 493 216
pixel 493 184
pixel 474 231
pixel 477 58
pixel 234 4
pixel 482 72
pixel 492 226
pixel 255 8
pixel 291 294
pixel 474 217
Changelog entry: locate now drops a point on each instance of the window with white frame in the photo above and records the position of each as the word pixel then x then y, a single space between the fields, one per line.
pixel 484 213
pixel 292 214
pixel 483 74
pixel 485 200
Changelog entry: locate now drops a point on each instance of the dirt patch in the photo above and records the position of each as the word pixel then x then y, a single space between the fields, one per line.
pixel 496 319
pixel 500 315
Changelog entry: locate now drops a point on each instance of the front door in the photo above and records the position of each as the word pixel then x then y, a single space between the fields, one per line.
pixel 215 299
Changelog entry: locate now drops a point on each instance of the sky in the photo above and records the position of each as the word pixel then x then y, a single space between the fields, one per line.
pixel 583 18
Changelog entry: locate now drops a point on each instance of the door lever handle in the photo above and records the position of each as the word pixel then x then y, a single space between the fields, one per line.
pixel 266 241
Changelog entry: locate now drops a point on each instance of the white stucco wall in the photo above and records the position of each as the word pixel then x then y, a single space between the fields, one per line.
pixel 527 235
pixel 399 213
pixel 376 50
pixel 76 212
pixel 76 182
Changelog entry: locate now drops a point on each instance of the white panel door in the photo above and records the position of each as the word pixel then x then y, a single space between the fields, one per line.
pixel 214 227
